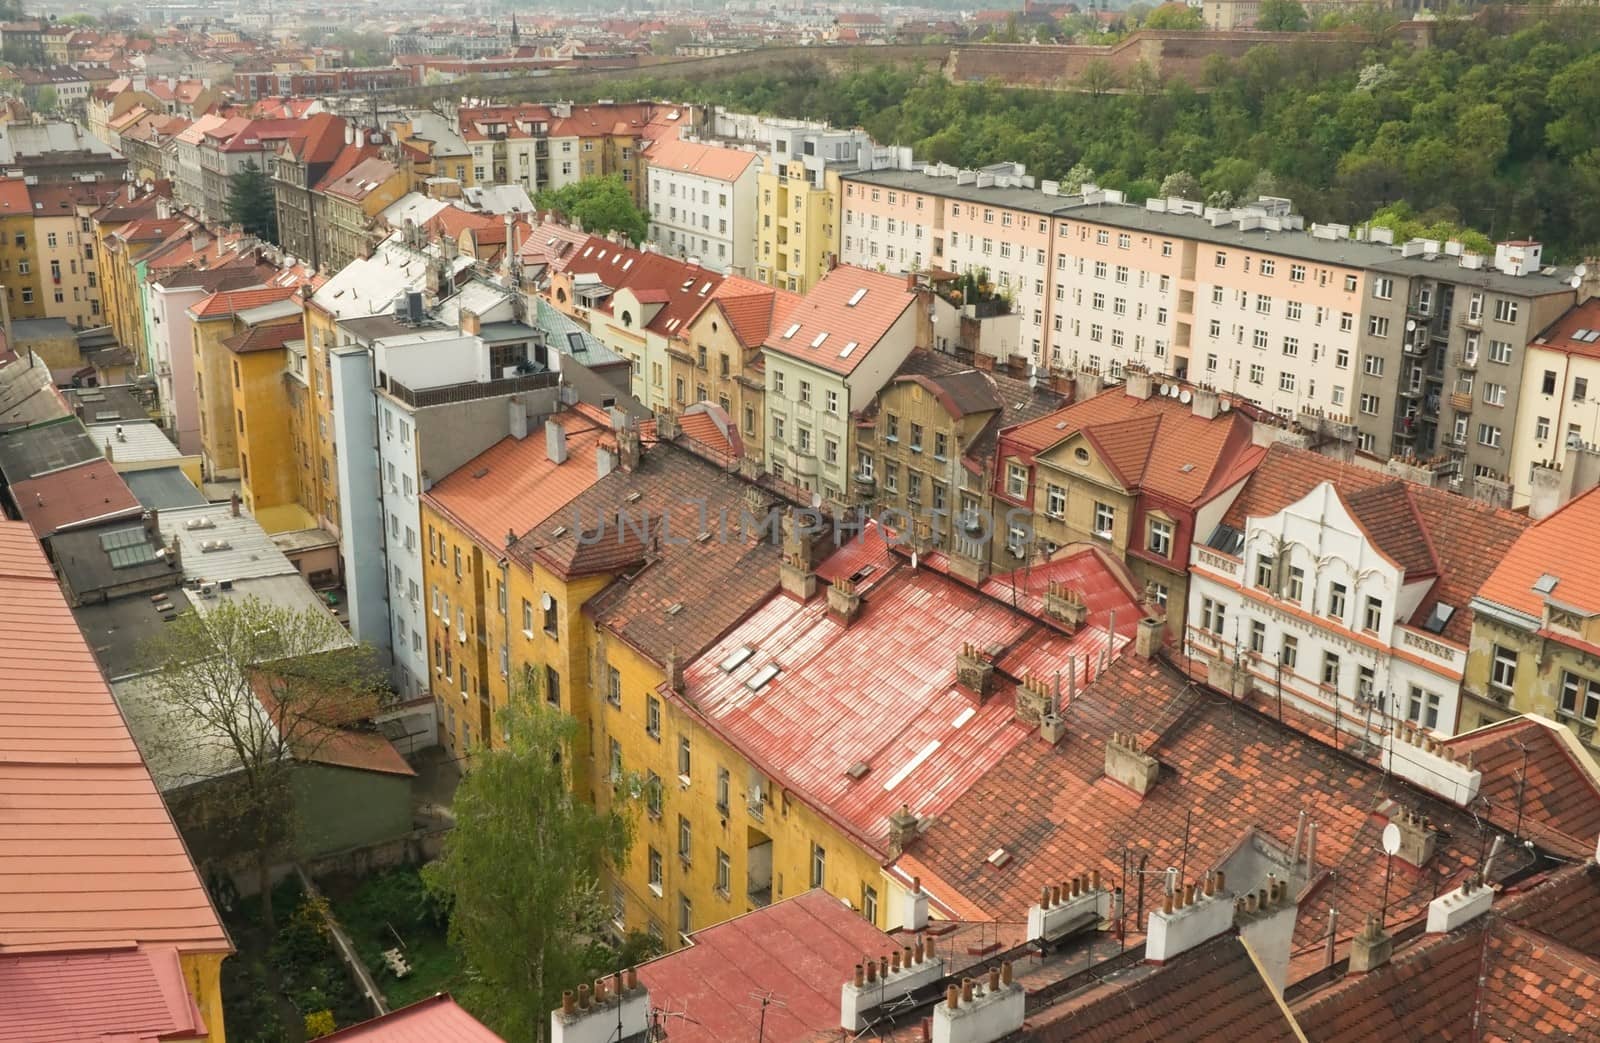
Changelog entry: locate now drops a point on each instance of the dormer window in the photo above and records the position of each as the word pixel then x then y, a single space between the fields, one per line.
pixel 627 317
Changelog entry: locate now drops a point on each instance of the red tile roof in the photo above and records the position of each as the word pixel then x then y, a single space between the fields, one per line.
pixel 798 951
pixel 437 1019
pixel 1562 334
pixel 685 287
pixel 360 180
pixel 695 157
pixel 1227 773
pixel 1156 445
pixel 231 302
pixel 882 691
pixel 1546 548
pixel 826 312
pixel 512 486
pixel 88 852
pixel 264 338
pixel 753 309
pixel 72 496
pixel 139 997
pixel 708 426
pixel 1537 780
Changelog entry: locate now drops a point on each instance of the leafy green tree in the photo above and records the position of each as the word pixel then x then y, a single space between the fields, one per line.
pixel 601 204
pixel 1282 16
pixel 46 99
pixel 1175 16
pixel 1181 183
pixel 251 203
pixel 243 690
pixel 521 871
pixel 1097 78
pixel 1406 223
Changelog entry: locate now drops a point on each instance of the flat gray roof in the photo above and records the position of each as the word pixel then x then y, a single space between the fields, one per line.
pixel 163 488
pixel 32 451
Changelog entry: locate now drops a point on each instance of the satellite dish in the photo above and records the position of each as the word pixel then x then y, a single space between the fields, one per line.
pixel 816 500
pixel 1411 324
pixel 1391 839
pixel 1581 270
pixel 1224 405
pixel 1185 397
pixel 1576 281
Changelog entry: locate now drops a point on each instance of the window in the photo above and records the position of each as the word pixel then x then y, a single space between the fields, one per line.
pixel 941 445
pixel 1292 310
pixel 1503 668
pixel 1264 571
pixel 819 865
pixel 1541 428
pixel 1372 615
pixel 1297 584
pixel 1349 284
pixel 652 716
pixel 1383 288
pixel 527 617
pixel 1055 501
pixel 1373 365
pixel 1286 381
pixel 1378 326
pixel 831 401
pixel 613 686
pixel 655 872
pixel 684 763
pixel 1213 615
pixel 652 794
pixel 1330 669
pixel 1580 697
pixel 1160 541
pixel 1423 707
pixel 1505 310
pixel 723 786
pixel 685 839
pixel 1297 273
pixel 724 873
pixel 1337 596
pixel 891 427
pixel 1369 404
pixel 1580 389
pixel 1500 351
pixel 869 894
pixel 1289 652
pixel 1221 259
pixel 1258 374
pixel 552 686
pixel 616 761
pixel 1016 481
pixel 805 392
pixel 1263 304
pixel 1105 518
pixel 1489 435
pixel 891 476
pixel 1258 637
pixel 1494 394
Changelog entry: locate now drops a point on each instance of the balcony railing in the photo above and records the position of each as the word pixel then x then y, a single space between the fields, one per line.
pixel 471 392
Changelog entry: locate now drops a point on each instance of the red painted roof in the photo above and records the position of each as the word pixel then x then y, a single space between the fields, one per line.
pixel 686 287
pixel 827 312
pixel 1562 334
pixel 752 309
pixel 139 996
pixel 88 852
pixel 883 691
pixel 695 157
pixel 437 1019
pixel 512 486
pixel 709 427
pixel 230 302
pixel 799 951
pixel 73 495
pixel 1546 548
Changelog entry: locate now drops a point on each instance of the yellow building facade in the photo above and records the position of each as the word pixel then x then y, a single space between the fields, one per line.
pixel 797 224
pixel 265 425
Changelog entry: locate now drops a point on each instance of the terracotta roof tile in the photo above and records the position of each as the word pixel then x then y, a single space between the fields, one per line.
pixel 268 337
pixel 231 302
pixel 752 309
pixel 1538 781
pixel 826 312
pixel 1545 548
pixel 694 157
pixel 685 288
pixel 1562 334
pixel 88 852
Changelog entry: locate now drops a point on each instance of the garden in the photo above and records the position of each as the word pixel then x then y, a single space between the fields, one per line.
pixel 393 911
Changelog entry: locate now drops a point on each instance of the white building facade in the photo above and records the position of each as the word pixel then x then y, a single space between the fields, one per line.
pixel 703 203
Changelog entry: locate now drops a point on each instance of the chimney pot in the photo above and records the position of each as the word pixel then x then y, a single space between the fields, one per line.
pixel 927 948
pixel 1094 879
pixel 916 885
pixel 631 978
pixel 905 959
pixel 1005 973
pixel 1221 881
pixel 569 1004
pixel 872 971
pixel 883 967
pixel 860 976
pixel 583 996
pixel 894 962
pixel 966 990
pixel 1166 904
pixel 917 950
pixel 994 978
pixel 952 997
pixel 1044 897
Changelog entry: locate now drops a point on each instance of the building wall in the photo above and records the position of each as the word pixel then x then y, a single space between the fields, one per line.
pixel 341 808
pixel 69 281
pixel 322 334
pixel 266 448
pixel 741 393
pixel 172 358
pixel 202 975
pixel 1545 422
pixel 19 267
pixel 712 220
pixel 909 403
pixel 366 576
pixel 219 424
pixel 798 222
pixel 455 620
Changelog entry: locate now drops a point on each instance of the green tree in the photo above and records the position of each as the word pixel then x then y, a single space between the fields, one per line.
pixel 521 870
pixel 242 690
pixel 1181 183
pixel 251 203
pixel 1097 78
pixel 46 99
pixel 601 204
pixel 1282 16
pixel 1175 17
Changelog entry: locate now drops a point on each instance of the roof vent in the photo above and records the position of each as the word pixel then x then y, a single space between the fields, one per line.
pixel 1545 583
pixel 762 676
pixel 858 770
pixel 855 298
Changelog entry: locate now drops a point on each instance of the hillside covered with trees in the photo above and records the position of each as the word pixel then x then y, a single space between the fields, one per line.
pixel 1499 133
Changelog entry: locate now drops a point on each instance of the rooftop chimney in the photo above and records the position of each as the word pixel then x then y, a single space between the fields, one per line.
pixel 902 828
pixel 844 603
pixel 1149 638
pixel 1207 403
pixel 981 1012
pixel 555 442
pixel 675 671
pixel 233 505
pixel 1069 908
pixel 1266 920
pixel 974 670
pixel 796 576
pixel 1065 605
pixel 868 989
pixel 1193 916
pixel 1129 765
pixel 1418 838
pixel 914 911
pixel 630 449
pixel 1467 902
pixel 517 416
pixel 1423 761
pixel 1136 382
pixel 616 1009
pixel 471 325
pixel 1370 948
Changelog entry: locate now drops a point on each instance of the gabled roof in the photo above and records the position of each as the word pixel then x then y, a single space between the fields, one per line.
pixel 844 332
pixel 1546 549
pixel 360 180
pixel 231 302
pixel 706 425
pixel 717 162
pixel 1154 444
pixel 683 288
pixel 752 309
pixel 88 852
pixel 437 1019
pixel 266 337
pixel 139 995
pixel 1534 763
pixel 1575 333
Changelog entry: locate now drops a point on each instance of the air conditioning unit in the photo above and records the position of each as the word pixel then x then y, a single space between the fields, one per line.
pixel 208 590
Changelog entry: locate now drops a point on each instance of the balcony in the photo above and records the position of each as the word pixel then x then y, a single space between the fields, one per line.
pixel 1461 401
pixel 1417 344
pixel 1472 322
pixel 473 391
pixel 1466 360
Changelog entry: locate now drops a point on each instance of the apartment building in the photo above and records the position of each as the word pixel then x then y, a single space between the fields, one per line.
pixel 1534 629
pixel 116 255
pixel 1346 593
pixel 703 202
pixel 547 146
pixel 63 237
pixel 718 359
pixel 1558 422
pixel 347 205
pixel 798 194
pixel 1467 324
pixel 18 261
pixel 296 167
pixel 214 320
pixel 838 348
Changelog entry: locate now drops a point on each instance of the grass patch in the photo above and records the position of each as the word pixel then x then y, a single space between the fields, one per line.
pixel 391 910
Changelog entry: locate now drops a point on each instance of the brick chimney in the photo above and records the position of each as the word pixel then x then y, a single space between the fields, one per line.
pixel 675 671
pixel 902 828
pixel 1418 838
pixel 1034 700
pixel 1192 916
pixel 914 910
pixel 1370 948
pixel 1266 921
pixel 1414 755
pixel 1151 634
pixel 1466 903
pixel 1065 605
pixel 883 980
pixel 597 1015
pixel 1129 765
pixel 630 449
pixel 844 603
pixel 981 1011
pixel 1076 905
pixel 974 670
pixel 797 575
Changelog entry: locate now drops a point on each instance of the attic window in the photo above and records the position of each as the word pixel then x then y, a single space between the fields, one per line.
pixel 998 857
pixel 1439 618
pixel 845 351
pixel 791 331
pixel 855 298
pixel 705 288
pixel 674 608
pixel 627 264
pixel 688 284
pixel 816 342
pixel 762 676
pixel 1545 583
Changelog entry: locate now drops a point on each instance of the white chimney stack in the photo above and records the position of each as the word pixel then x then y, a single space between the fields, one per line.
pixel 981 1012
pixel 1064 909
pixel 885 980
pixel 618 1004
pixel 555 442
pixel 1414 755
pixel 1467 902
pixel 914 913
pixel 1193 916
